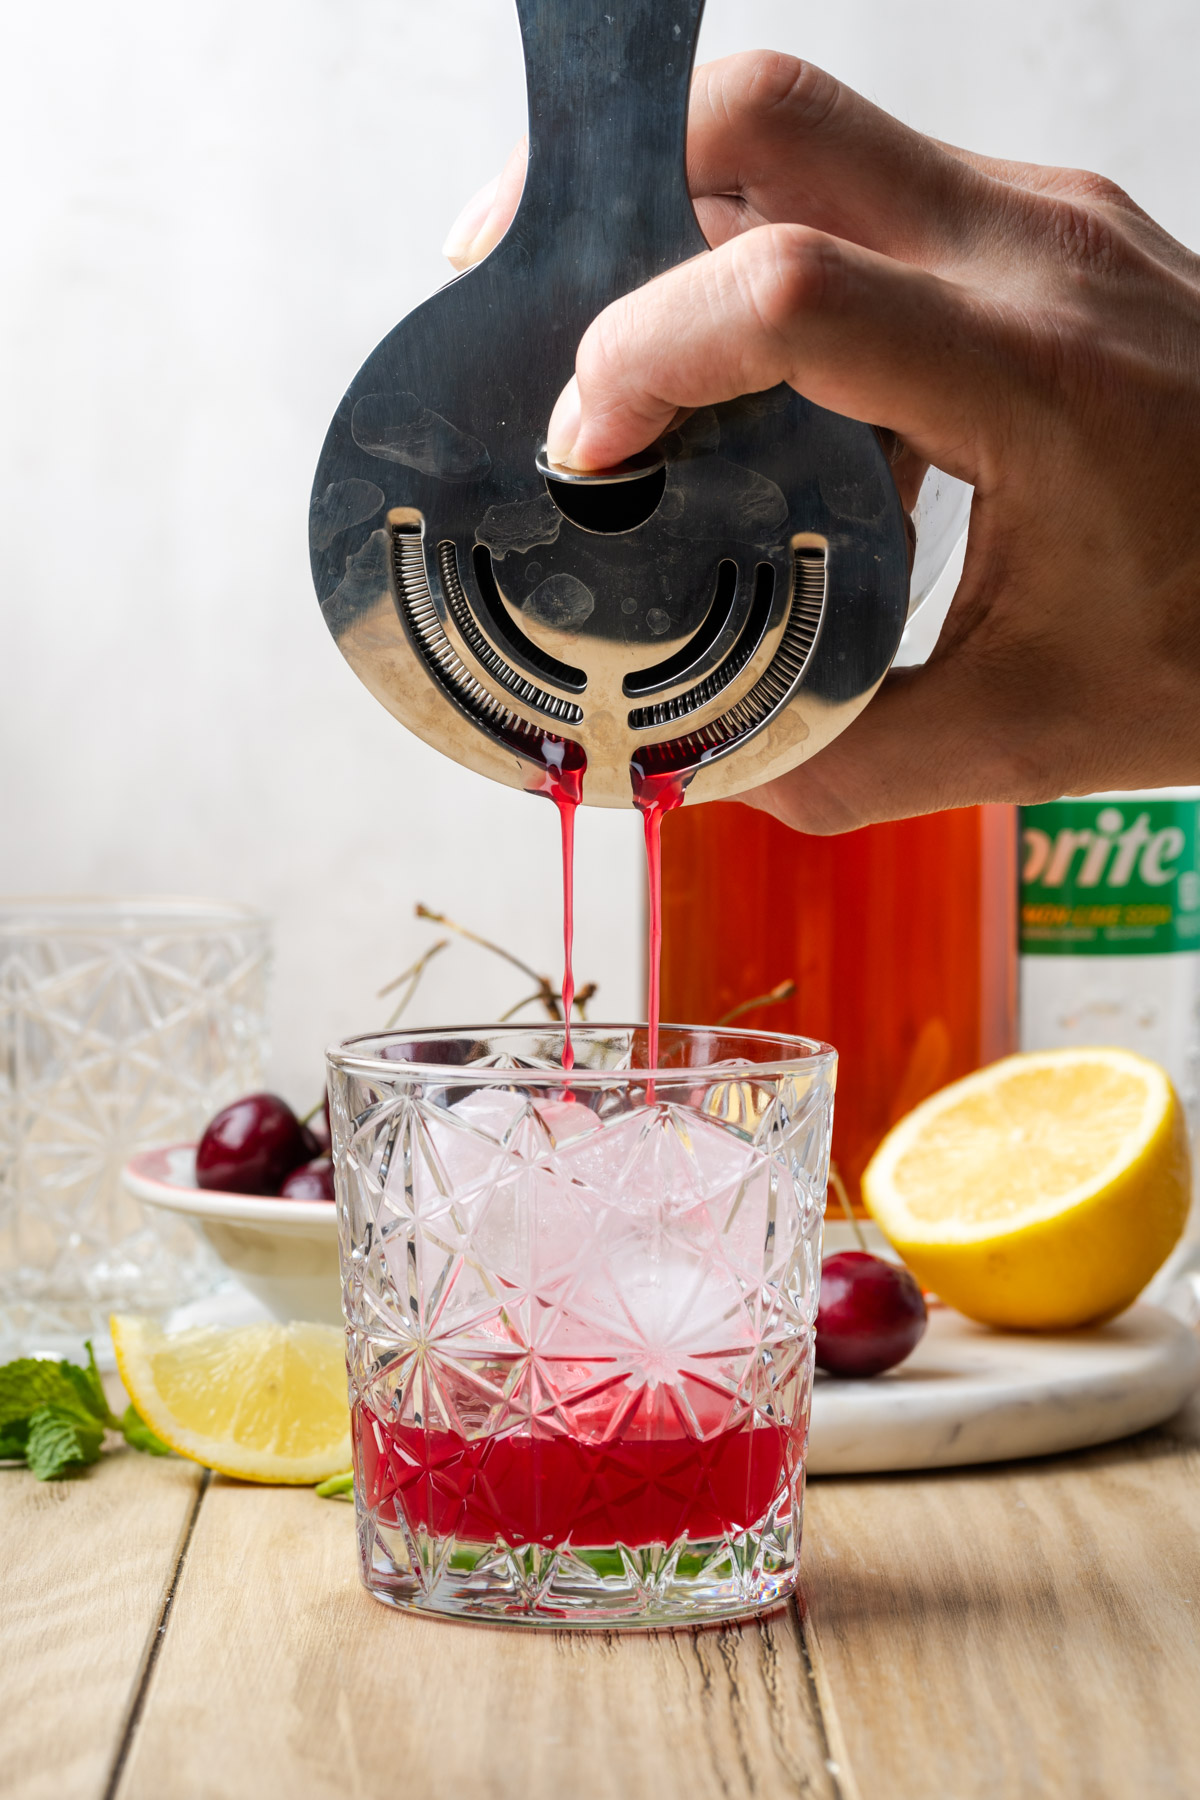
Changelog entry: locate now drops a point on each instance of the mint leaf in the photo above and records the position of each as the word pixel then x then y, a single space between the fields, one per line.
pixel 53 1415
pixel 89 1389
pixel 61 1438
pixel 139 1434
pixel 336 1487
pixel 27 1384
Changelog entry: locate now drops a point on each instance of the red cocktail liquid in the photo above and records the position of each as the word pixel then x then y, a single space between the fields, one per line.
pixel 545 1487
pixel 561 779
pixel 655 793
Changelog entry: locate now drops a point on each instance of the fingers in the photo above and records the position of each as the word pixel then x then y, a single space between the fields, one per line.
pixel 1035 650
pixel 772 139
pixel 798 146
pixel 486 217
pixel 466 227
pixel 916 748
pixel 851 330
pixel 957 732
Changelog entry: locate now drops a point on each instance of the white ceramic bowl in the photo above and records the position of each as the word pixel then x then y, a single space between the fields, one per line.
pixel 284 1251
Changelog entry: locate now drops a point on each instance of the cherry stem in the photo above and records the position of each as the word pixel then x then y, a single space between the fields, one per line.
pixel 545 992
pixel 782 991
pixel 312 1112
pixel 414 968
pixel 550 1000
pixel 839 1188
pixel 437 918
pixel 413 976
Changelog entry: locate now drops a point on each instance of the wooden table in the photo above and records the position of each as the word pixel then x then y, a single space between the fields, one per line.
pixel 1028 1630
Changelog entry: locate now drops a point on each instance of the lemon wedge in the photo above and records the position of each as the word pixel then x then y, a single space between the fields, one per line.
pixel 262 1402
pixel 1040 1193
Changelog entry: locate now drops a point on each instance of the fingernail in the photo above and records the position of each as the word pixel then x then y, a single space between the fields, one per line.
pixel 563 428
pixel 468 225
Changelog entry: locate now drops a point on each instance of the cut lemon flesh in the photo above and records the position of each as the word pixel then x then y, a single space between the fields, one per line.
pixel 1042 1192
pixel 262 1402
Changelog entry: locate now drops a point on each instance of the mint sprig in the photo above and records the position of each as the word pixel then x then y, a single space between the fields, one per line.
pixel 53 1417
pixel 336 1487
pixel 139 1434
pixel 61 1438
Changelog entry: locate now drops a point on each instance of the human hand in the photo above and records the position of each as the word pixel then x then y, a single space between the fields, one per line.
pixel 1028 329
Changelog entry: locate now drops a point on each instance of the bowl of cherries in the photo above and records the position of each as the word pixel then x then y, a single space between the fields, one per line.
pixel 259 1187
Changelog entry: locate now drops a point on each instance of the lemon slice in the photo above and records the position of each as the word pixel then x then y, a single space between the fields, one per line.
pixel 262 1402
pixel 1040 1193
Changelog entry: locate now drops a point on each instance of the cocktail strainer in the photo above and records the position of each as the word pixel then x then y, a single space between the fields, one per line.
pixel 720 607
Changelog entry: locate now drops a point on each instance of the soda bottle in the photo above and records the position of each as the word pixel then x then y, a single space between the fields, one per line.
pixel 1110 932
pixel 1110 927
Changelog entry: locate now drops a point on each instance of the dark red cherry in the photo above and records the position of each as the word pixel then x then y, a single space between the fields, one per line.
pixel 251 1146
pixel 872 1314
pixel 311 1181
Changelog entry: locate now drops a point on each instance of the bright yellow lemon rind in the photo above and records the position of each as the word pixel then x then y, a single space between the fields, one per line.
pixel 260 1402
pixel 1041 1193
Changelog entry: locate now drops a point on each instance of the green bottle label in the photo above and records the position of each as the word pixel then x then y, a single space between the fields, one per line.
pixel 1110 877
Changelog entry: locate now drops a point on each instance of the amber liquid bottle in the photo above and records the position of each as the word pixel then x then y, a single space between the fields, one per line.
pixel 900 938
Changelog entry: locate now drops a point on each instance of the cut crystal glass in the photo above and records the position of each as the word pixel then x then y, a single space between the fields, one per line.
pixel 580 1317
pixel 123 1024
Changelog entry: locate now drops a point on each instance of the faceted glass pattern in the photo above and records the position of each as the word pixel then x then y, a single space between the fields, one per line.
pixel 580 1317
pixel 123 1024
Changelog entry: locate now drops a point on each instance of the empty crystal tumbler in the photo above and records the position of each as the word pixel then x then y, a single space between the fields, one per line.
pixel 123 1024
pixel 579 1313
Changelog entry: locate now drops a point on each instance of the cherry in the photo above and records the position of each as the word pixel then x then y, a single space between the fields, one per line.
pixel 872 1314
pixel 251 1146
pixel 311 1181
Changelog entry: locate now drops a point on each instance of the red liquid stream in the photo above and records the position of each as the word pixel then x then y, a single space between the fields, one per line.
pixel 637 1477
pixel 654 794
pixel 545 1487
pixel 561 780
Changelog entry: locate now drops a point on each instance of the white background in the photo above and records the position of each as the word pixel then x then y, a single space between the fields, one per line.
pixel 211 214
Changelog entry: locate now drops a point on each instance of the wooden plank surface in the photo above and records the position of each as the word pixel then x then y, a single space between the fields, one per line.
pixel 1032 1631
pixel 281 1677
pixel 85 1566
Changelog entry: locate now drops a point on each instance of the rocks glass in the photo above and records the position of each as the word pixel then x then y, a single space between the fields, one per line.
pixel 580 1317
pixel 123 1024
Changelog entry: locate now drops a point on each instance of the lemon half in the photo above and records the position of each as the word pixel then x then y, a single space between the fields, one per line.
pixel 1042 1192
pixel 262 1402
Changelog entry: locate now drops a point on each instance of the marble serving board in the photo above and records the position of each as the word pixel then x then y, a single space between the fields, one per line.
pixel 970 1395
